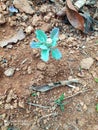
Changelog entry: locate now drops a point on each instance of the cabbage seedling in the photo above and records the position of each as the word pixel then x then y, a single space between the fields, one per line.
pixel 47 44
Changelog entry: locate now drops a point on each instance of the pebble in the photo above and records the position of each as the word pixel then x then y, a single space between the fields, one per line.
pixel 35 20
pixel 29 70
pixel 62 37
pixel 85 107
pixel 11 95
pixel 29 30
pixel 23 6
pixel 46 27
pixel 41 66
pixel 2 19
pixel 43 8
pixel 87 63
pixel 9 72
pixel 21 104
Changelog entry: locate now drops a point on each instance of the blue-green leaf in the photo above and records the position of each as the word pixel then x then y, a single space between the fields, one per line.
pixel 45 55
pixel 34 44
pixel 41 36
pixel 54 36
pixel 43 47
pixel 56 54
pixel 54 33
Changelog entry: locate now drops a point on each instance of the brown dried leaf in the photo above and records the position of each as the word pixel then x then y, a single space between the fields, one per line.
pixel 74 17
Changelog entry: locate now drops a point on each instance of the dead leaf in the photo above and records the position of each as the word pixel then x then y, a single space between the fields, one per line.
pixel 17 37
pixel 73 16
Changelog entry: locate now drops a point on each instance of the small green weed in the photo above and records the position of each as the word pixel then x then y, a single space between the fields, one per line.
pixel 60 102
pixel 47 44
pixel 96 80
pixel 34 94
pixel 97 107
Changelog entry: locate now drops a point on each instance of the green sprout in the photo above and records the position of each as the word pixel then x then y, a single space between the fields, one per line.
pixel 96 80
pixel 97 107
pixel 34 94
pixel 60 102
pixel 47 44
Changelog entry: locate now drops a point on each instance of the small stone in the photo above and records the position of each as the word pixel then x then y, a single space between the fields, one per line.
pixel 6 123
pixel 86 63
pixel 46 18
pixel 9 72
pixel 41 66
pixel 23 6
pixel 7 106
pixel 62 37
pixel 46 27
pixel 84 107
pixel 29 29
pixel 11 95
pixel 29 70
pixel 24 17
pixel 21 104
pixel 81 75
pixel 43 8
pixel 70 39
pixel 14 106
pixel 2 19
pixel 35 20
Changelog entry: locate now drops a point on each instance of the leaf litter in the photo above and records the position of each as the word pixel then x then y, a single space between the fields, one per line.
pixel 78 19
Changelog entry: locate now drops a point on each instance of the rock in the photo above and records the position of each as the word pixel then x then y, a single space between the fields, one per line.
pixel 85 107
pixel 23 6
pixel 43 8
pixel 35 20
pixel 14 105
pixel 46 27
pixel 48 17
pixel 11 95
pixel 29 30
pixel 41 66
pixel 62 37
pixel 29 70
pixel 19 35
pixel 87 63
pixel 21 104
pixel 7 106
pixel 2 7
pixel 2 19
pixel 9 72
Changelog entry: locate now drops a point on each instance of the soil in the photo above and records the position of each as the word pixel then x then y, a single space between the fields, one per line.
pixel 80 111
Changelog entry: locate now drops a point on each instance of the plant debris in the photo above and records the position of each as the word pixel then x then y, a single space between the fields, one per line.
pixel 50 86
